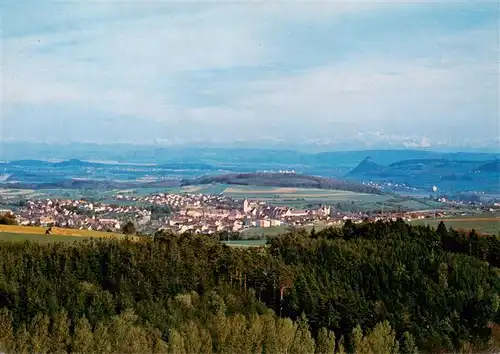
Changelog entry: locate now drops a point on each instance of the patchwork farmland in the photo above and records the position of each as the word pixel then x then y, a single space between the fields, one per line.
pixel 310 194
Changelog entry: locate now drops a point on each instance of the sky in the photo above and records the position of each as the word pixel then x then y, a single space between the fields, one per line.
pixel 393 73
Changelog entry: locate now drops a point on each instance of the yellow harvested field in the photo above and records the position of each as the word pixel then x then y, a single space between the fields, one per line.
pixel 281 190
pixel 15 192
pixel 315 195
pixel 192 189
pixel 124 191
pixel 33 230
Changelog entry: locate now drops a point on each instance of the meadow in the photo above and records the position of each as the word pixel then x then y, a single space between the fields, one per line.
pixel 489 224
pixel 297 196
pixel 20 237
pixel 304 198
pixel 245 243
pixel 212 189
pixel 194 189
pixel 32 233
pixel 17 193
pixel 264 232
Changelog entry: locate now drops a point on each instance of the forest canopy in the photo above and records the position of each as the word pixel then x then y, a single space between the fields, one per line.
pixel 383 287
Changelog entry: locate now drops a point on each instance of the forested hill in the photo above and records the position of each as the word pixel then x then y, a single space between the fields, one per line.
pixel 449 175
pixel 292 180
pixel 369 288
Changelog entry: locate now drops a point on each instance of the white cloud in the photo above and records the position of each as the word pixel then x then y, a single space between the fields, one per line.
pixel 369 92
pixel 124 67
pixel 123 59
pixel 424 143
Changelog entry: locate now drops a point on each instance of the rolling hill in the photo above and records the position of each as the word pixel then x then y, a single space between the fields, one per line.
pixel 449 175
pixel 493 167
pixel 282 180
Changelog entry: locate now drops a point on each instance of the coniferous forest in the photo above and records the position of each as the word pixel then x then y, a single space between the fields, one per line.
pixel 383 287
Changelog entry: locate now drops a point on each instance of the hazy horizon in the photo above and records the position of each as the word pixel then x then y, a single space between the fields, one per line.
pixel 335 75
pixel 148 153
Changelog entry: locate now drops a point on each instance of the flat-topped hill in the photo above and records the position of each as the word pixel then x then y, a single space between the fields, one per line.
pixel 282 180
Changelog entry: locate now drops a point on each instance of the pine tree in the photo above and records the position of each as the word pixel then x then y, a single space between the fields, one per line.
pixel 220 332
pixel 408 344
pixel 6 331
pixel 205 340
pixel 22 340
pixel 359 347
pixel 325 343
pixel 237 341
pixel 340 346
pixel 102 339
pixel 83 338
pixel 176 343
pixel 126 335
pixel 303 343
pixel 380 340
pixel 60 336
pixel 270 334
pixel 156 343
pixel 255 333
pixel 191 336
pixel 39 334
pixel 442 231
pixel 285 333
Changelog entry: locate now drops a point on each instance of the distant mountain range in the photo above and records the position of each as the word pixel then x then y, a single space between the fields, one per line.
pixel 128 153
pixel 41 163
pixel 420 169
pixel 493 167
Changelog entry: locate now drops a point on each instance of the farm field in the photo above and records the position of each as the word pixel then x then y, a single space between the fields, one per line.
pixel 245 243
pixel 198 189
pixel 307 194
pixel 264 231
pixel 20 233
pixel 414 204
pixel 209 188
pixel 18 237
pixel 489 225
pixel 303 198
pixel 17 193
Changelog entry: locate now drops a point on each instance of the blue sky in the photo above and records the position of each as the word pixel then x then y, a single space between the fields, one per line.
pixel 359 73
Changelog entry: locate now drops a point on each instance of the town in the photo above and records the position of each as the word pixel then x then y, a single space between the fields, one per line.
pixel 187 212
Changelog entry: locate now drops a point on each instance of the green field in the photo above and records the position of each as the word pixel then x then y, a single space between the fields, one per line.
pixel 264 232
pixel 245 243
pixel 197 189
pixel 481 225
pixel 302 197
pixel 413 205
pixel 271 193
pixel 22 233
pixel 213 188
pixel 17 237
pixel 17 193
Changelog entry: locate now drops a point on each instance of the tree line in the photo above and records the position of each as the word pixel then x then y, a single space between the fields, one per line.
pixel 384 287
